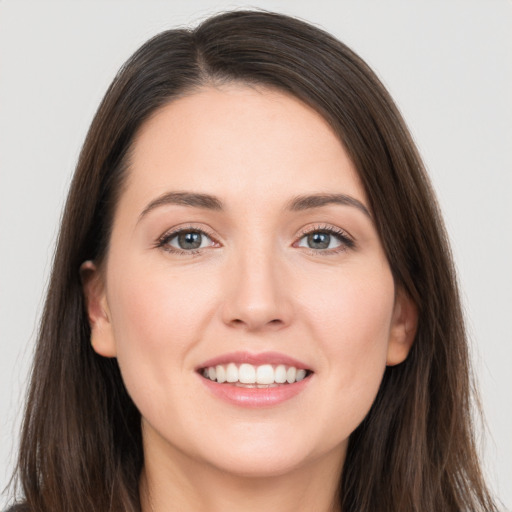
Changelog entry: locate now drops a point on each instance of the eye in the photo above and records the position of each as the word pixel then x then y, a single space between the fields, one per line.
pixel 185 240
pixel 325 239
pixel 319 240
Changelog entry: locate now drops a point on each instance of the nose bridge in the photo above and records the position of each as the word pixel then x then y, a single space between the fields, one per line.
pixel 256 296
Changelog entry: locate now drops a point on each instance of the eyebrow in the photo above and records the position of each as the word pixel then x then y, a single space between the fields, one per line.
pixel 209 202
pixel 307 202
pixel 194 200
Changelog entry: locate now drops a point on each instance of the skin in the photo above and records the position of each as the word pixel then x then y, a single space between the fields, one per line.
pixel 254 286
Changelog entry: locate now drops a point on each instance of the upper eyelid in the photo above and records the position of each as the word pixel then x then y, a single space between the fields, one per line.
pixel 325 227
pixel 172 232
pixel 302 232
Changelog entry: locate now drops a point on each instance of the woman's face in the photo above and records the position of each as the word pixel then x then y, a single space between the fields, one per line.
pixel 243 248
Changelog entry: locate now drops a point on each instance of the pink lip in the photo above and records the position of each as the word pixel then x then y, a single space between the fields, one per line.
pixel 255 397
pixel 254 359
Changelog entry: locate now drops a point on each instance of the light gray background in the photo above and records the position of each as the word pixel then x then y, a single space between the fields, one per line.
pixel 448 64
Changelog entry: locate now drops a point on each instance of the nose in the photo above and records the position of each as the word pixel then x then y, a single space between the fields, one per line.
pixel 257 297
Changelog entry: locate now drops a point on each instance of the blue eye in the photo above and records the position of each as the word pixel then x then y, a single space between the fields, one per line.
pixel 325 240
pixel 319 240
pixel 187 240
pixel 191 240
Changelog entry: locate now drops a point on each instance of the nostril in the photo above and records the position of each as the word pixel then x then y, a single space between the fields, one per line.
pixel 255 322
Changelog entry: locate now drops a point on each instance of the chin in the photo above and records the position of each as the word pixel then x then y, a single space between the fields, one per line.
pixel 271 456
pixel 262 465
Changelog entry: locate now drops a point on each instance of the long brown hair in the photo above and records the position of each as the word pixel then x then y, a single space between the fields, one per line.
pixel 81 447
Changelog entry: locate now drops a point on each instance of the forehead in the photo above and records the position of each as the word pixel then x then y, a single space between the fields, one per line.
pixel 239 141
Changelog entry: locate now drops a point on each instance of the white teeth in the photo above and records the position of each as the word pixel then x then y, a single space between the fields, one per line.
pixel 290 375
pixel 280 374
pixel 232 373
pixel 221 373
pixel 300 375
pixel 247 374
pixel 254 376
pixel 265 374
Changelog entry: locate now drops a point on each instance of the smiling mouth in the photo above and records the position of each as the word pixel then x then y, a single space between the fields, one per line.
pixel 251 376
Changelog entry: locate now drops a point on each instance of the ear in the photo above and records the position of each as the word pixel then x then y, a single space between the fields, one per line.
pixel 102 335
pixel 403 328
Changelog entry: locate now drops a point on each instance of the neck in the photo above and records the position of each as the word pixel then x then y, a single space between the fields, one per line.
pixel 179 482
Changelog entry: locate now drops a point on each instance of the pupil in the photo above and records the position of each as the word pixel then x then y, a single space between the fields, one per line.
pixel 319 240
pixel 189 240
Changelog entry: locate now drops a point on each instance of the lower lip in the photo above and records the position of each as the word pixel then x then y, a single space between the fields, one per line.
pixel 255 397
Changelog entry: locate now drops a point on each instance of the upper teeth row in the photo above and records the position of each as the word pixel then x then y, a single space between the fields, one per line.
pixel 249 374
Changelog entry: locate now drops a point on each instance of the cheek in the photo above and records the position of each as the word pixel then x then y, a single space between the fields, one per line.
pixel 352 324
pixel 362 320
pixel 352 310
pixel 155 329
pixel 152 309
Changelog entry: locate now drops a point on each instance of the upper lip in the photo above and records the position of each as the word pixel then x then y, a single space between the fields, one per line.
pixel 274 358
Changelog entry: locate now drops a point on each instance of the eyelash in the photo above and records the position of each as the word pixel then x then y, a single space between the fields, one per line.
pixel 346 241
pixel 163 241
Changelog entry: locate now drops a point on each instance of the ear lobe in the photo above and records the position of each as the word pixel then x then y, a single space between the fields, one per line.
pixel 403 328
pixel 102 336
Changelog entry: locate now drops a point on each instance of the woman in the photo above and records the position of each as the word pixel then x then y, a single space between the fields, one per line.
pixel 252 302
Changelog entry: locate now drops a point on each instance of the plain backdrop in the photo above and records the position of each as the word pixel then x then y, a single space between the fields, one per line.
pixel 448 64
